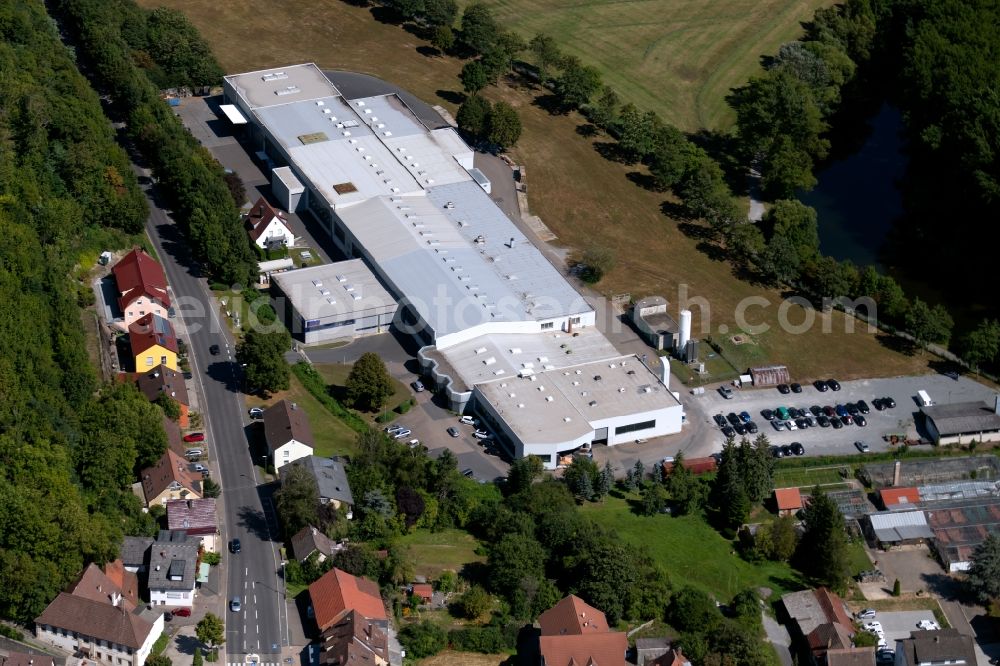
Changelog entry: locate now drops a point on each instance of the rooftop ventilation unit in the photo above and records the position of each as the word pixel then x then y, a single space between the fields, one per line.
pixel 360 103
pixel 481 350
pixel 515 350
pixel 331 301
pixel 341 278
pixel 326 112
pixel 273 76
pixel 320 102
pixel 357 297
pixel 346 133
pixel 499 371
pixel 387 133
pixel 592 403
pixel 621 389
pixel 368 111
pixel 350 123
pixel 429 181
pixel 324 292
pixel 630 372
pixel 380 125
pixel 395 189
pixel 349 287
pixel 520 405
pixel 317 283
pixel 351 141
pixel 290 90
pixel 549 398
pixel 450 205
pixel 567 419
pixel 374 119
pixel 541 387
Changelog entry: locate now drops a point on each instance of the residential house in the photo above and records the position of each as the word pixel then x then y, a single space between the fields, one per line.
pixel 267 227
pixel 331 479
pixel 134 553
pixel 170 478
pixel 337 593
pixel 354 627
pixel 647 650
pixel 153 343
pixel 197 518
pixel 423 590
pixel 853 656
pixel 933 648
pixel 92 620
pixel 287 432
pixel 673 657
pixel 161 380
pixel 818 621
pixel 574 632
pixel 127 581
pixel 310 540
pixel 142 287
pixel 25 659
pixel 173 563
pixel 788 501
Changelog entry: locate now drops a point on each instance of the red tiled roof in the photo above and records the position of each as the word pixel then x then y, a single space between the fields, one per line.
pixel 337 592
pixel 831 635
pixel 423 590
pixel 25 659
pixel 604 649
pixel 150 330
pixel 572 615
pixel 126 581
pixel 162 379
pixel 136 274
pixel 194 516
pixel 672 658
pixel 833 607
pixel 788 498
pixel 852 656
pixel 169 468
pixel 95 585
pixel 895 496
pixel 260 217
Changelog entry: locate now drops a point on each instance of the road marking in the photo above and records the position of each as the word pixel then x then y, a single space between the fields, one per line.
pixel 246 571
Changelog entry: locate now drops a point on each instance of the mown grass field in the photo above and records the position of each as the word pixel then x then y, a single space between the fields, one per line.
pixel 677 57
pixel 582 197
pixel 807 477
pixel 692 552
pixel 336 374
pixel 433 552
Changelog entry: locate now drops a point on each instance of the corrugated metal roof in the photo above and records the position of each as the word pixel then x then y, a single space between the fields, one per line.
pixel 963 418
pixel 890 526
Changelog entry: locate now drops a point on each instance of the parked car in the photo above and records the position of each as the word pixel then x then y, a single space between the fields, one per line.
pixel 405 432
pixel 802 424
pixel 235 605
pixel 168 616
pixel 728 432
pixel 732 418
pixel 193 454
pixel 752 428
pixel 256 412
pixel 841 410
pixel 776 452
pixel 200 468
pixel 786 451
pixel 417 386
pixel 829 411
pixel 878 404
pixel 453 431
pixel 876 627
pixel 852 409
pixel 783 414
pixel 836 423
pixel 928 625
pixel 468 420
pixel 745 417
pixel 866 614
pixel 740 429
pixel 815 410
pixel 951 374
pixel 468 473
pixel 796 388
pixel 863 407
pixel 889 402
pixel 481 434
pixel 797 448
pixel 413 443
pixel 783 389
pixel 182 612
pixel 847 419
pixel 862 446
pixel 214 350
pixel 821 386
pixel 726 392
pixel 393 429
pixel 823 421
pixel 833 384
pixel 234 546
pixel 778 424
pixel 720 420
pixel 194 437
pixel 860 420
pixel 767 414
pixel 791 425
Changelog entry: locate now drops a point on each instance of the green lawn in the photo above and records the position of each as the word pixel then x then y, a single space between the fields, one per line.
pixel 330 434
pixel 858 558
pixel 433 552
pixel 678 57
pixel 336 374
pixel 807 477
pixel 692 552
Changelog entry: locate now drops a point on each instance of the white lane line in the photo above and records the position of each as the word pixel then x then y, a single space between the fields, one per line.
pixel 246 571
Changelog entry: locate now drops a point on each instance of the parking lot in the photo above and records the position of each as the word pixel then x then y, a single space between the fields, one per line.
pixel 897 625
pixel 828 441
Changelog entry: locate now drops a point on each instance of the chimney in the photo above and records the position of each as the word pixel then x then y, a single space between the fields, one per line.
pixel 665 372
pixel 190 504
pixel 294 406
pixel 511 246
pixel 897 472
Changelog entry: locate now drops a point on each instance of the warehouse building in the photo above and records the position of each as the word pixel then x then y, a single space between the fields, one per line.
pixel 963 422
pixel 342 300
pixel 404 199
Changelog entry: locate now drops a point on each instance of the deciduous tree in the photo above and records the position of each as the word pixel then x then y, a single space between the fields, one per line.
pixel 503 125
pixel 822 551
pixel 368 384
pixel 210 631
pixel 984 574
pixel 262 353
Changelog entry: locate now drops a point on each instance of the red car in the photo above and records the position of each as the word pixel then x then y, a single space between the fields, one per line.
pixel 182 612
pixel 195 437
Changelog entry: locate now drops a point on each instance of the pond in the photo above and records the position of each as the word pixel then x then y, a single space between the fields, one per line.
pixel 856 199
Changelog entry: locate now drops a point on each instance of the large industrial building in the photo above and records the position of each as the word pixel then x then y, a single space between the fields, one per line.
pixel 493 316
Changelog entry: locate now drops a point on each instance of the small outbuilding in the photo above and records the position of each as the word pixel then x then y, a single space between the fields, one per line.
pixel 788 501
pixel 898 528
pixel 770 375
pixel 963 422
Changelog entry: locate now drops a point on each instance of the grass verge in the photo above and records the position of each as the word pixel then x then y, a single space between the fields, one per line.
pixel 692 552
pixel 336 374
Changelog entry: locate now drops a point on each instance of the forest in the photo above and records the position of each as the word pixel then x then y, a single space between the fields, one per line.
pixel 69 447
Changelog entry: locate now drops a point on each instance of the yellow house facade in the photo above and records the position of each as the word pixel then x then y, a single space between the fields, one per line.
pixel 153 343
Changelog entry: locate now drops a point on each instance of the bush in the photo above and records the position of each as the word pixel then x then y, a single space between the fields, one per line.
pixel 11 632
pixel 473 603
pixel 896 588
pixel 446 581
pixel 317 387
pixel 485 640
pixel 404 406
pixel 385 417
pixel 423 640
pixel 211 558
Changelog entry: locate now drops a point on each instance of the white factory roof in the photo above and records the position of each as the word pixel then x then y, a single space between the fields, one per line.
pixel 339 165
pixel 234 115
pixel 562 404
pixel 331 116
pixel 287 177
pixel 333 289
pixel 495 356
pixel 281 85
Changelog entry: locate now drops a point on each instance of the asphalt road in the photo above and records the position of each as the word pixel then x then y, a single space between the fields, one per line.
pixel 261 626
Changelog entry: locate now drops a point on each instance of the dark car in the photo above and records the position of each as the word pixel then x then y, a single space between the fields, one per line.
pixel 835 422
pixel 214 350
pixel 745 417
pixel 951 374
pixel 234 546
pixel 740 428
pixel 783 389
pixel 728 432
pixel 878 404
pixel 796 388
pixel 767 414
pixel 797 448
pixel 720 420
pixel 733 419
pixel 889 402
pixel 823 421
pixel 852 409
pixel 795 412
pixel 842 410
pixel 863 407
pixel 816 410
pixel 776 452
pixel 821 386
pixel 829 411
pixel 802 423
pixel 833 384
pixel 786 451
pixel 860 420
pixel 752 428
pixel 468 472
pixel 847 419
pixel 168 616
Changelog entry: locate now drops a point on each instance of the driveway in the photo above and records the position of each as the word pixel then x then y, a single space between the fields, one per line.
pixel 914 568
pixel 897 625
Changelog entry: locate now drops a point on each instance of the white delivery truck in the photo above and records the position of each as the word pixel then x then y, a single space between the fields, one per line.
pixel 925 400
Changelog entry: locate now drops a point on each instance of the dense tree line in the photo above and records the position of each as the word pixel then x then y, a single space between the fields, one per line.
pixel 191 179
pixel 68 451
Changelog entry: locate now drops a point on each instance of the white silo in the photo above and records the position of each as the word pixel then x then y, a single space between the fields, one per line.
pixel 685 333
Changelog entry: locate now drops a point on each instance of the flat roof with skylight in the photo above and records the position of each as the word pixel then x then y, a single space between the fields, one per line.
pixel 281 85
pixel 331 290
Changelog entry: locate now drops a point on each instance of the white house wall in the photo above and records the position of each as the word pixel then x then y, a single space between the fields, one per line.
pixel 290 452
pixel 178 598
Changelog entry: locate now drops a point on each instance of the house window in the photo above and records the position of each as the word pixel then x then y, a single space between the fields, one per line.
pixel 574 320
pixel 633 427
pixel 548 325
pixel 142 312
pixel 163 360
pixel 286 454
pixel 130 314
pixel 149 361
